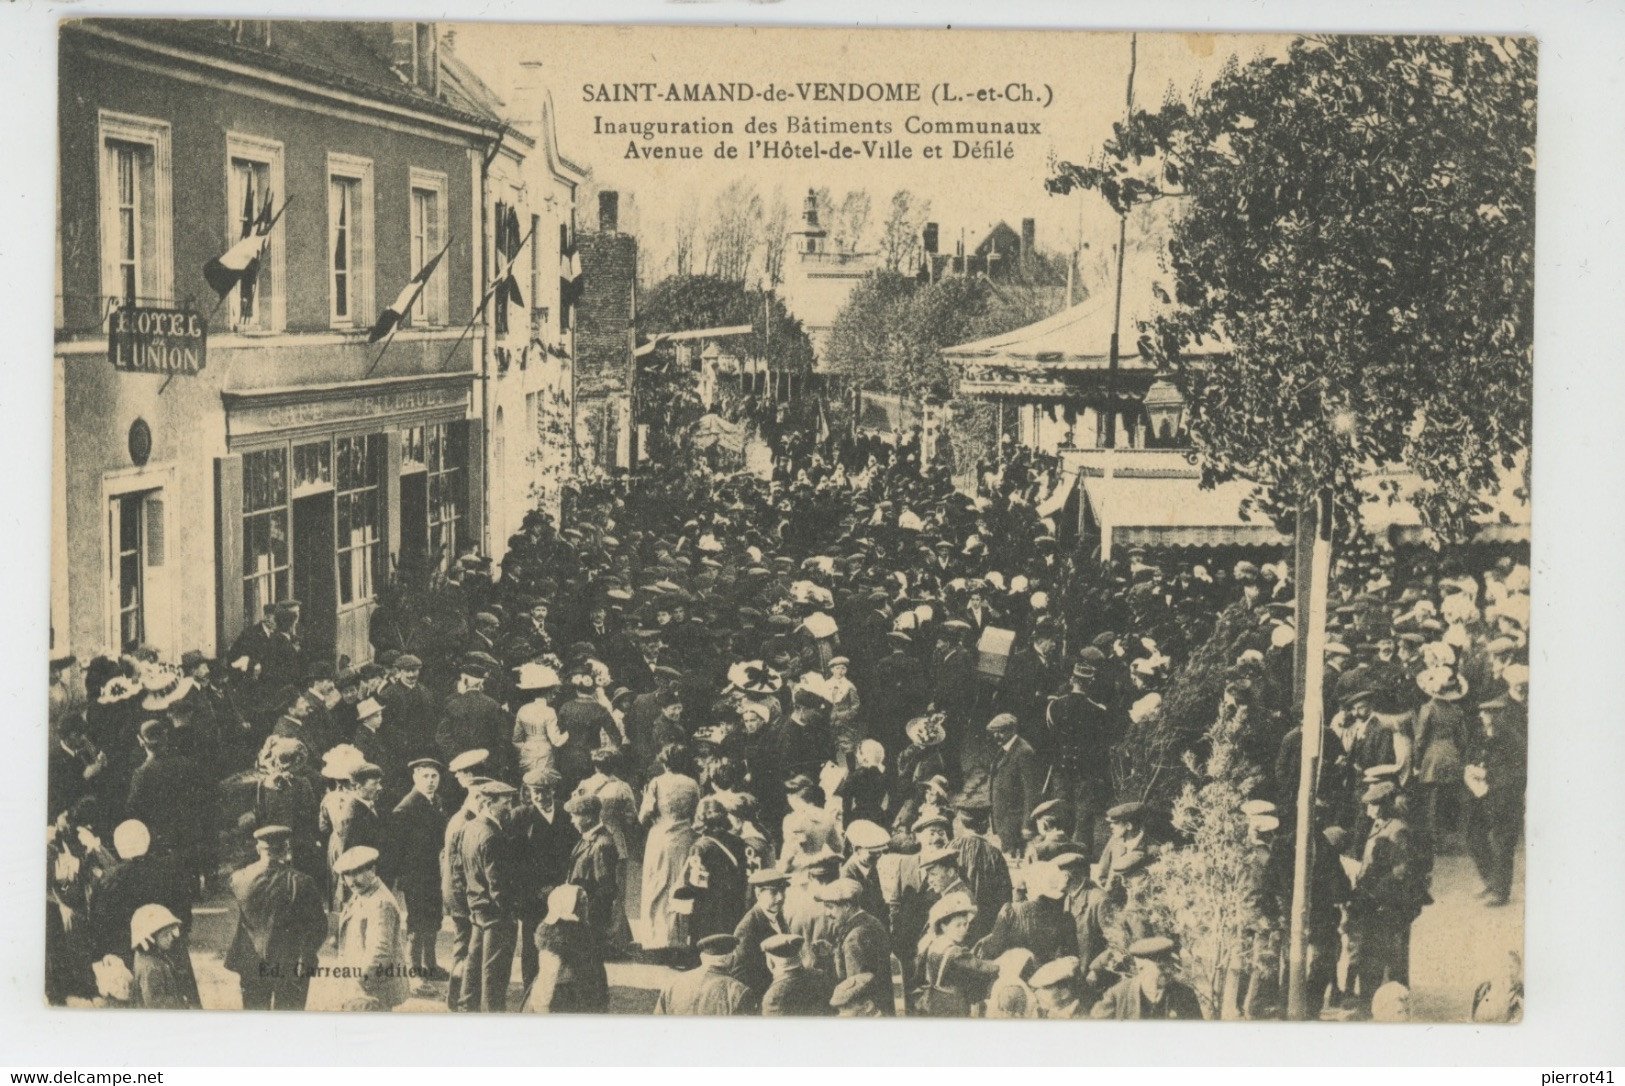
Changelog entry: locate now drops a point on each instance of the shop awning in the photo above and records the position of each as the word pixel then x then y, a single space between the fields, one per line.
pixel 1394 515
pixel 1175 512
pixel 1076 338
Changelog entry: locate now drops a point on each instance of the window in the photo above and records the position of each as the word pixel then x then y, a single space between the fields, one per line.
pixel 349 240
pixel 265 530
pixel 428 237
pixel 254 189
pixel 128 563
pixel 447 445
pixel 359 516
pixel 136 240
pixel 252 32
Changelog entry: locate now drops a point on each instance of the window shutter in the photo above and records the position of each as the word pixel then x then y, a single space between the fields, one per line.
pixel 228 506
pixel 432 241
pixel 155 531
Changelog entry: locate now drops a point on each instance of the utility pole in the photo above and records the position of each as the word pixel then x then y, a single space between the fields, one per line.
pixel 1313 571
pixel 1122 242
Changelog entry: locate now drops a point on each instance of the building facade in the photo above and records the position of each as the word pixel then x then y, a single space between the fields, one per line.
pixel 530 370
pixel 285 456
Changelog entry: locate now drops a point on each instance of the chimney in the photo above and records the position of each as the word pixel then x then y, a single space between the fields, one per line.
pixel 403 49
pixel 609 211
pixel 930 239
pixel 1029 231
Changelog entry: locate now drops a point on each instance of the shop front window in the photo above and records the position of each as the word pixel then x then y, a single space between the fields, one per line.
pixel 359 516
pixel 447 446
pixel 265 530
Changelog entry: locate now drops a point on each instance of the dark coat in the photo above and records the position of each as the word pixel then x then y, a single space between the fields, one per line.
pixel 1041 925
pixel 720 904
pixel 545 853
pixel 473 721
pixel 593 864
pixel 488 872
pixel 145 880
pixel 417 832
pixel 1122 1001
pixel 164 979
pixel 280 920
pixel 1013 789
pixel 410 716
pixel 799 992
pixel 862 946
pixel 749 965
pixel 175 801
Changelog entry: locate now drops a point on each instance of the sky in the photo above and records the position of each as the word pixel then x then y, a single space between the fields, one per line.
pixel 1080 75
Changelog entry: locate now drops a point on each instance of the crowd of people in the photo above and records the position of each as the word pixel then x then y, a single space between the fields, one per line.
pixel 843 741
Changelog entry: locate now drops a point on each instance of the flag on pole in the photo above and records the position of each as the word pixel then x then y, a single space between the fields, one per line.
pixel 570 276
pixel 406 299
pixel 242 261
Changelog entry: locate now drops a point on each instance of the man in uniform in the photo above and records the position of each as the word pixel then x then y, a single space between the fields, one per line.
pixel 858 941
pixel 797 990
pixel 708 989
pixel 280 922
pixel 453 887
pixel 417 832
pixel 485 860
pixel 1150 992
pixel 764 921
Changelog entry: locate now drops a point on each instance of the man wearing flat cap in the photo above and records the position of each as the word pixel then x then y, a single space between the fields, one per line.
pixel 594 866
pixel 1079 728
pixel 1055 989
pixel 1389 894
pixel 417 832
pixel 854 997
pixel 544 841
pixel 409 709
pixel 763 922
pixel 356 821
pixel 798 990
pixel 279 923
pixel 371 936
pixel 709 989
pixel 1013 783
pixel 490 880
pixel 1151 992
pixel 857 942
pixel 1128 847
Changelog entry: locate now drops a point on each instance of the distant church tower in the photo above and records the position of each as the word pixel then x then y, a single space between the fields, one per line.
pixel 811 238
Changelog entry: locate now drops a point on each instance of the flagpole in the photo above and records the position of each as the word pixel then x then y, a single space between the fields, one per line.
pixel 490 292
pixel 396 327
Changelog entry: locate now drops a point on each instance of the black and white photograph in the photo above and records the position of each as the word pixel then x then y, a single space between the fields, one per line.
pixel 761 521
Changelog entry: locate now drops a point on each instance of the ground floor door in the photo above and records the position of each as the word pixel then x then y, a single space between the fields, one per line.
pixel 313 577
pixel 414 559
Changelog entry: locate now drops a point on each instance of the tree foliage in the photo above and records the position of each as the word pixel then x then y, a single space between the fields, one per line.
pixel 1356 222
pixel 682 303
pixel 900 246
pixel 890 334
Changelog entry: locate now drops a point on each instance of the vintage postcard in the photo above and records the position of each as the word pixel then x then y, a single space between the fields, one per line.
pixel 725 521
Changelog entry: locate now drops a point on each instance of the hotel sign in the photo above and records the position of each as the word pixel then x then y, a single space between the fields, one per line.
pixel 163 341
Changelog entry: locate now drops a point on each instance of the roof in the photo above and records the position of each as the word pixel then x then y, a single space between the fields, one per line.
pixel 1077 338
pixel 337 55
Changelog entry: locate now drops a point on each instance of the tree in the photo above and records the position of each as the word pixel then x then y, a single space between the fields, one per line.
pixel 735 231
pixel 775 238
pixel 900 235
pixel 851 222
pixel 686 302
pixel 1356 222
